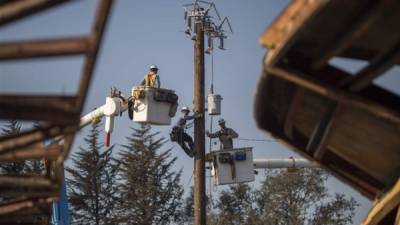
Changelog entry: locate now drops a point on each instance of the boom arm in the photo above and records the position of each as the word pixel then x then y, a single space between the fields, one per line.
pixel 283 163
pixel 115 105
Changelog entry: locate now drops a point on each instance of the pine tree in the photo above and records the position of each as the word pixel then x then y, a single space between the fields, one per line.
pixel 187 211
pixel 302 198
pixel 234 207
pixel 92 185
pixel 34 166
pixel 150 192
pixel 13 168
pixel 285 198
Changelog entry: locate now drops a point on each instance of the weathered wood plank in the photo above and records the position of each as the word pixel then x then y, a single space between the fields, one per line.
pixel 19 9
pixel 35 152
pixel 334 93
pixel 44 48
pixel 282 32
pixel 346 38
pixel 96 37
pixel 383 206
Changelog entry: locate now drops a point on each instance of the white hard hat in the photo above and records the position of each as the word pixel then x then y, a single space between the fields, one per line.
pixel 220 121
pixel 154 67
pixel 184 108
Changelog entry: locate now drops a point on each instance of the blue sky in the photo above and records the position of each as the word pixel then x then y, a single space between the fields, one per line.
pixel 141 33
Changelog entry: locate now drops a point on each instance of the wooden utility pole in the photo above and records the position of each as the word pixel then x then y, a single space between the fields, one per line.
pixel 198 17
pixel 199 125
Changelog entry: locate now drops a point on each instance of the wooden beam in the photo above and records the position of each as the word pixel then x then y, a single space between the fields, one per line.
pixel 317 142
pixel 334 93
pixel 44 48
pixel 346 38
pixel 294 106
pixel 39 218
pixel 62 102
pixel 103 12
pixel 49 152
pixel 397 220
pixel 17 205
pixel 281 34
pixel 25 181
pixel 19 9
pixel 362 185
pixel 335 76
pixel 353 84
pixel 30 192
pixel 57 109
pixel 376 67
pixel 383 206
pixel 30 137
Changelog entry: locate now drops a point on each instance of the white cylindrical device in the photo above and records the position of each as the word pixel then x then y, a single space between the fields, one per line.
pixel 214 104
pixel 283 163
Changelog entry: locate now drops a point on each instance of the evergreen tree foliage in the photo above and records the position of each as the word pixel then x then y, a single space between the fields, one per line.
pixel 92 188
pixel 302 198
pixel 34 166
pixel 234 206
pixel 150 191
pixel 285 198
pixel 13 168
pixel 187 211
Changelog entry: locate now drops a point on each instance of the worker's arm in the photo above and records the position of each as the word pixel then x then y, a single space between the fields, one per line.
pixel 190 117
pixel 143 82
pixel 158 81
pixel 232 133
pixel 213 135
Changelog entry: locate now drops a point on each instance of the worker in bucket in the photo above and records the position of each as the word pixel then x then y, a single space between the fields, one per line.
pixel 152 79
pixel 225 135
pixel 179 135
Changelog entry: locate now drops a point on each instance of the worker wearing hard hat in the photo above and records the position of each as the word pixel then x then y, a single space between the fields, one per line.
pixel 225 135
pixel 152 79
pixel 179 135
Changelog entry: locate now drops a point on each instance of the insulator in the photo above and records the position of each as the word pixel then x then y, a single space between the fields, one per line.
pixel 189 22
pixel 209 45
pixel 221 43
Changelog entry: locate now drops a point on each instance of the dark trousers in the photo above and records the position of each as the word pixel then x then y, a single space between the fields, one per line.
pixel 186 142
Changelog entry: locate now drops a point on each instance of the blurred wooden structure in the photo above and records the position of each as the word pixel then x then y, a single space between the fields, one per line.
pixel 30 196
pixel 343 121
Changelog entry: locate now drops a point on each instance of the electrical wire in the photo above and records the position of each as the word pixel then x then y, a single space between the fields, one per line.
pixel 190 180
pixel 211 124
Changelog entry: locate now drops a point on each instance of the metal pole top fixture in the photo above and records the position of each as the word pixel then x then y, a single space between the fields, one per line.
pixel 207 15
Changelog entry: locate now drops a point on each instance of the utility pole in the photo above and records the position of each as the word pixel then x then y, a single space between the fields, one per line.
pixel 199 125
pixel 199 18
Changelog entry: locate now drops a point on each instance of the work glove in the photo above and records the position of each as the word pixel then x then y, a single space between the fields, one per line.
pixel 198 115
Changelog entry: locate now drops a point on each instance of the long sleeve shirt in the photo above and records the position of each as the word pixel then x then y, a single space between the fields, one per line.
pixel 225 137
pixel 182 121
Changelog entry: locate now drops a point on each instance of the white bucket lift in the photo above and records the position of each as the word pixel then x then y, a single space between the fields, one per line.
pixel 232 166
pixel 214 104
pixel 154 105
